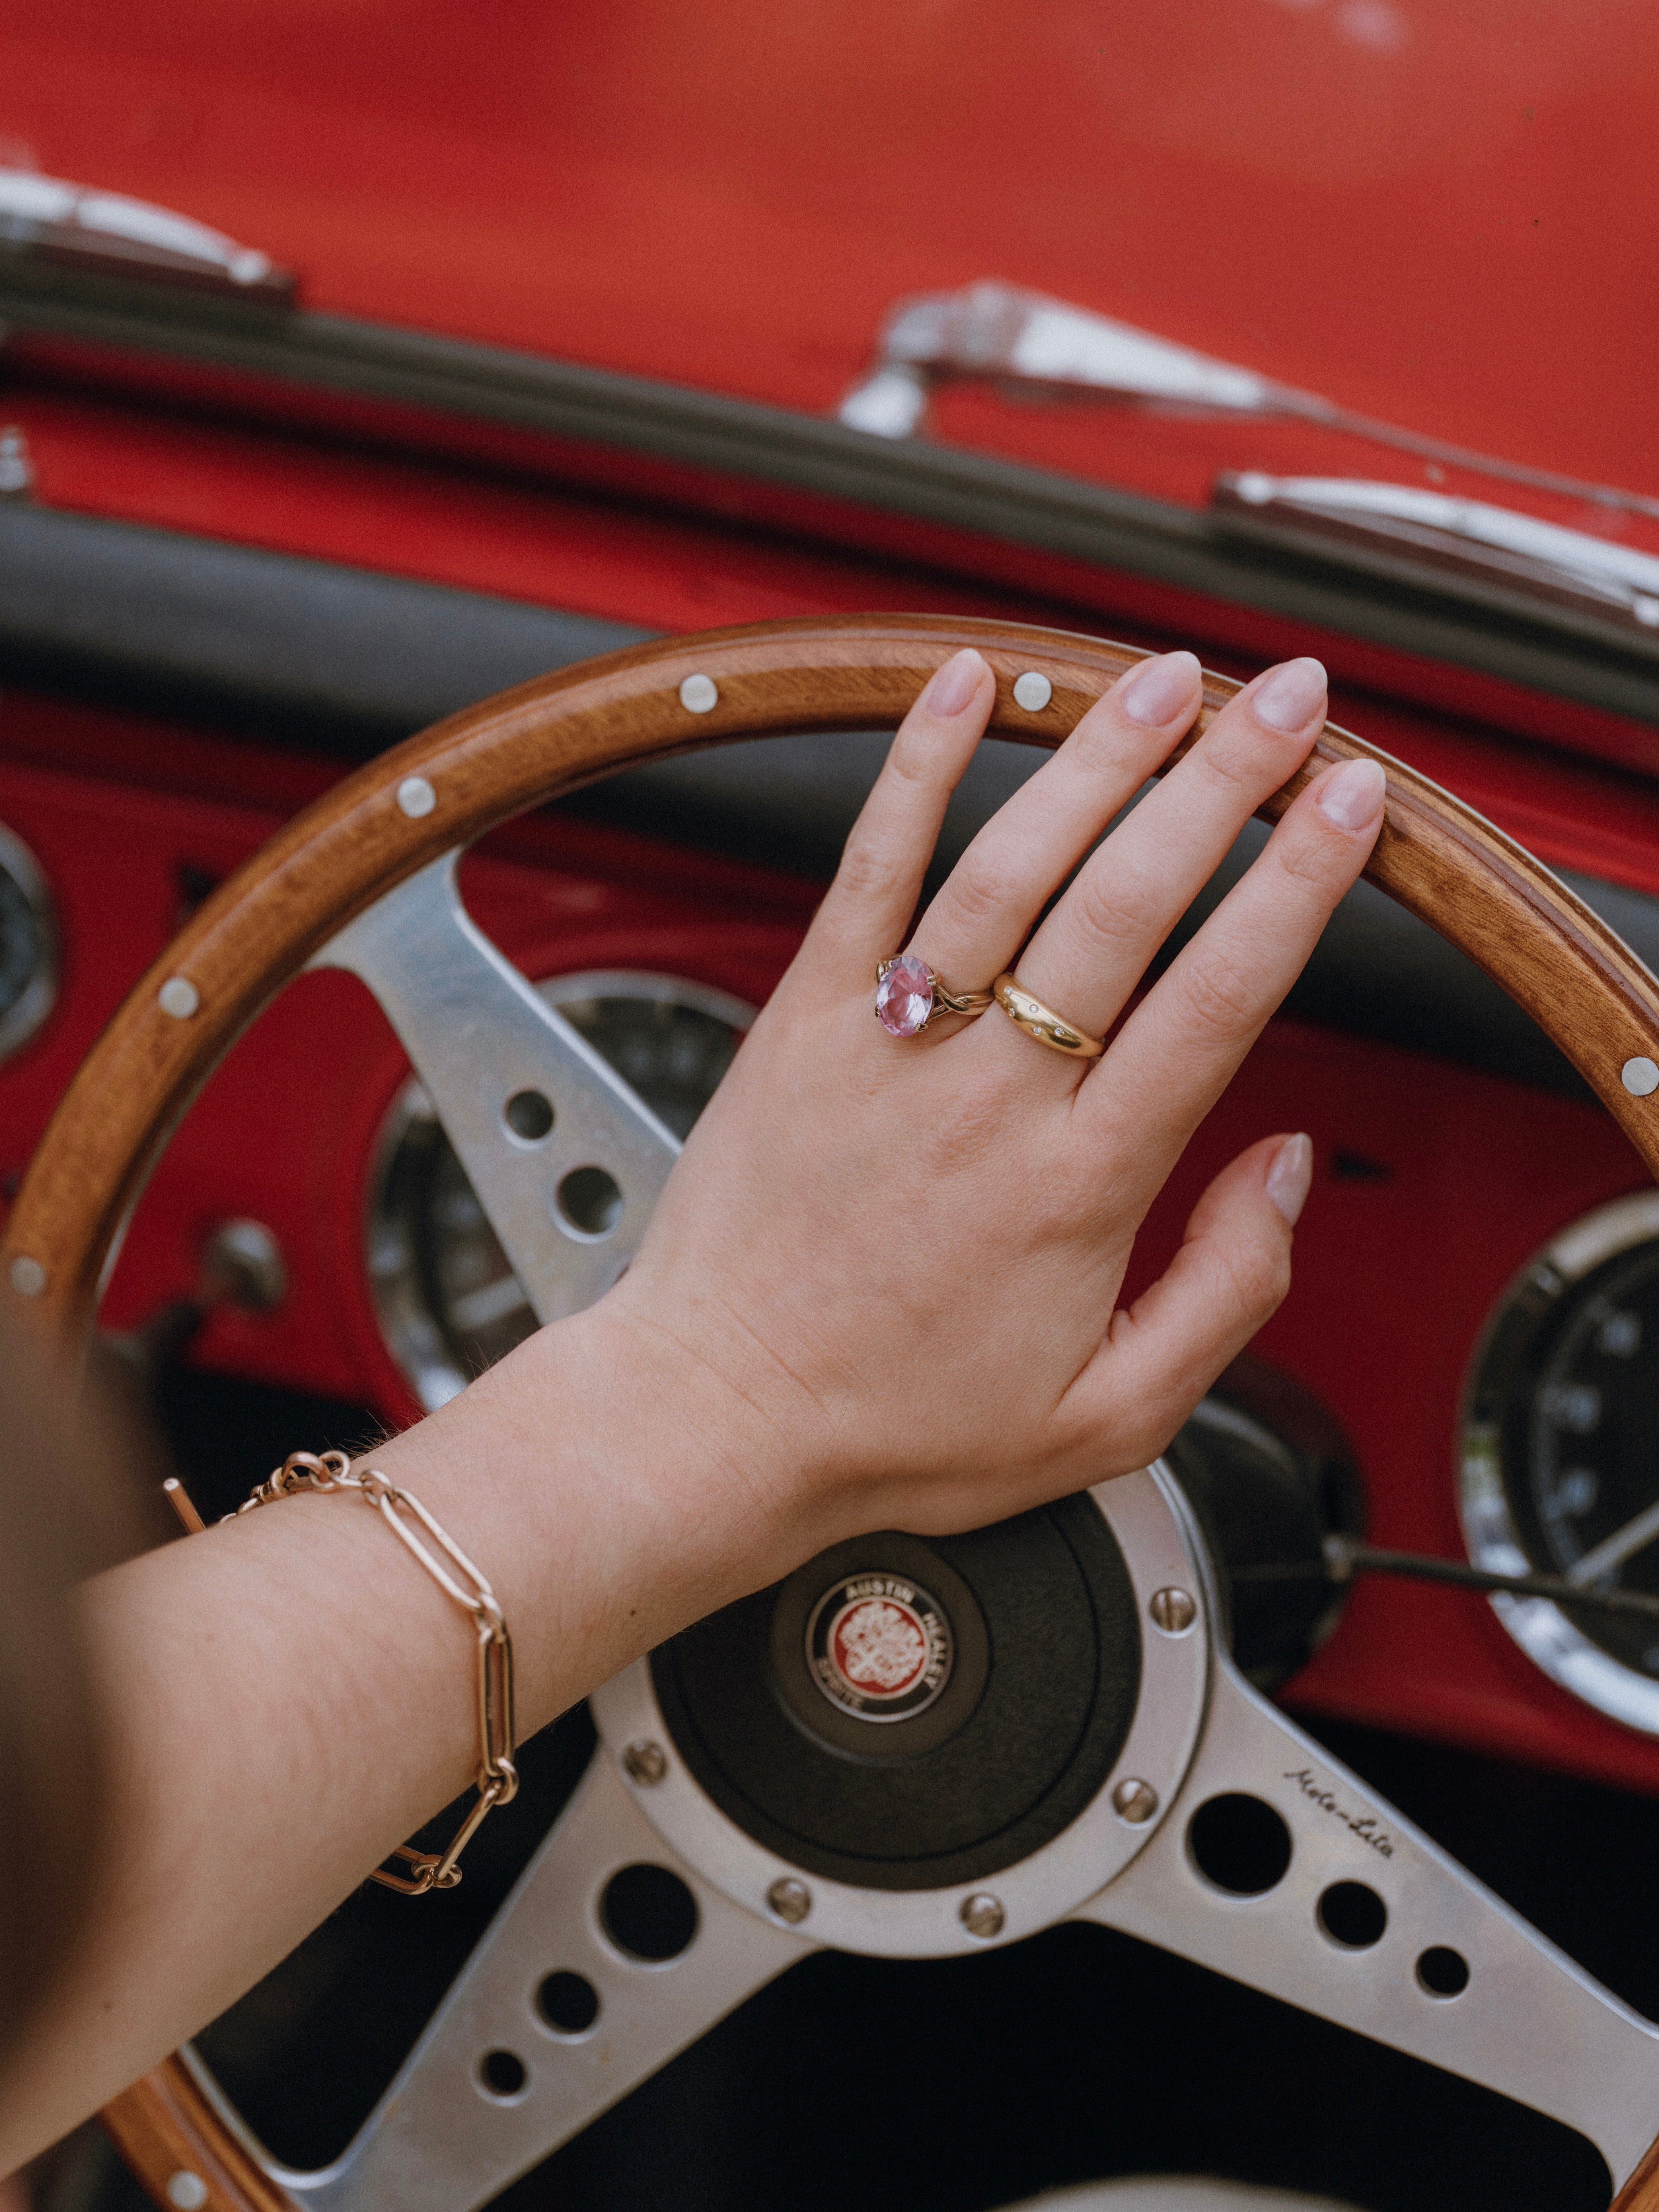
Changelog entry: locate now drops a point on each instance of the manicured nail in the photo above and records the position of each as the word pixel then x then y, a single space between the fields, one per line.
pixel 1157 691
pixel 1352 796
pixel 1292 695
pixel 954 685
pixel 1291 1176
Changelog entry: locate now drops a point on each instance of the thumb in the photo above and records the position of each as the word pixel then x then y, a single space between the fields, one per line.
pixel 1230 1276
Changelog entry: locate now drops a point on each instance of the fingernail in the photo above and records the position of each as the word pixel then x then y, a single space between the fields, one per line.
pixel 1291 1176
pixel 1157 691
pixel 953 686
pixel 1292 695
pixel 1352 796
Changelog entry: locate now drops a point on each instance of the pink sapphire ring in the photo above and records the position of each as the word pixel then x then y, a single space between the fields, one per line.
pixel 908 995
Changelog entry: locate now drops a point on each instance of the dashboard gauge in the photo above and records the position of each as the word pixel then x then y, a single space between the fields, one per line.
pixel 449 1303
pixel 29 945
pixel 1560 1453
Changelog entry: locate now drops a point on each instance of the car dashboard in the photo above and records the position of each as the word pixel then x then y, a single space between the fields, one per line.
pixel 212 612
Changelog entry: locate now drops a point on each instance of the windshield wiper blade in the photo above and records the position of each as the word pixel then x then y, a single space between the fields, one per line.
pixel 1007 335
pixel 49 219
pixel 1470 539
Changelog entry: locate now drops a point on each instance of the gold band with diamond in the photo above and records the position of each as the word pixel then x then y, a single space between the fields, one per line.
pixel 1042 1022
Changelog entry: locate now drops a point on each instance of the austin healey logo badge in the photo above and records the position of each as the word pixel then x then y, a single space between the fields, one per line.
pixel 879 1647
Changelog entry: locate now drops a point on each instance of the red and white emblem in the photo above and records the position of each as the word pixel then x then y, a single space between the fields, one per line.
pixel 879 1646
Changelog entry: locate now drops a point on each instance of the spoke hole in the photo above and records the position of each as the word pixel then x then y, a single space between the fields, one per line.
pixel 590 1201
pixel 1239 1844
pixel 1442 1971
pixel 503 2074
pixel 529 1115
pixel 1352 1915
pixel 569 2004
pixel 649 1913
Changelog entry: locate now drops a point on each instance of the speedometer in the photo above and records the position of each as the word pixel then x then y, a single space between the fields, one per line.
pixel 449 1303
pixel 1560 1453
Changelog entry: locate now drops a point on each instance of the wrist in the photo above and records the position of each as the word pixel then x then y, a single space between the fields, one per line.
pixel 613 1487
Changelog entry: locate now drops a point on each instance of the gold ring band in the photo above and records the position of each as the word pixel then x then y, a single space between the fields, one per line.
pixel 1042 1022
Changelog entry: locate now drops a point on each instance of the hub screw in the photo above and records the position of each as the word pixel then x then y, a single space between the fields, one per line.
pixel 1134 1800
pixel 790 1899
pixel 645 1762
pixel 1173 1610
pixel 983 1916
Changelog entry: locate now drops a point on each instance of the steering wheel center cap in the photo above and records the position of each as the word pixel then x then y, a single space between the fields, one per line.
pixel 879 1646
pixel 1026 1675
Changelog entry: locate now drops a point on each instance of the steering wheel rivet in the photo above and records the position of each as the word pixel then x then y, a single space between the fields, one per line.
pixel 416 797
pixel 1033 692
pixel 1173 1610
pixel 645 1762
pixel 27 1277
pixel 1134 1800
pixel 791 1900
pixel 698 694
pixel 179 996
pixel 1640 1077
pixel 187 2190
pixel 982 1916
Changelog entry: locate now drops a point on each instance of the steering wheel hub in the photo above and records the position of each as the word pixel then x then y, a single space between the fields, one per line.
pixel 1026 1678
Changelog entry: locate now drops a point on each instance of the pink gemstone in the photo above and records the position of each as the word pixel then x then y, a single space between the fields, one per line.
pixel 904 997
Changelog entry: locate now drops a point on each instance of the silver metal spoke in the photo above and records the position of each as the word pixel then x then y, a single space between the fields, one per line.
pixel 478 1036
pixel 441 2139
pixel 1528 2023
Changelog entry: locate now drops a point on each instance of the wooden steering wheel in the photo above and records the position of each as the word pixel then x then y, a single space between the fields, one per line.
pixel 364 879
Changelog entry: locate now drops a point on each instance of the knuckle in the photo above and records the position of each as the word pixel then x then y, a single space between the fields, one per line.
pixel 1098 744
pixel 1223 762
pixel 981 887
pixel 1221 997
pixel 866 866
pixel 1260 1274
pixel 910 759
pixel 961 1138
pixel 1113 910
pixel 1239 757
pixel 1314 865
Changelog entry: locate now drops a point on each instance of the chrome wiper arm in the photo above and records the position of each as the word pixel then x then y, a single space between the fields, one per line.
pixel 1508 551
pixel 1009 335
pixel 79 226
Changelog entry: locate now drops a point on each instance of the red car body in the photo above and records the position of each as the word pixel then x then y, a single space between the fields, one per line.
pixel 579 294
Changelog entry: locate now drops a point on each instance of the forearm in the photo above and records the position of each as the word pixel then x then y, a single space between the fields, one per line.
pixel 288 1697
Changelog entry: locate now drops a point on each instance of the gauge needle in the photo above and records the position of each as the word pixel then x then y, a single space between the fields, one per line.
pixel 1613 1551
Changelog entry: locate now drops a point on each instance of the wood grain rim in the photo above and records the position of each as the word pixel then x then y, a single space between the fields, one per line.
pixel 1436 856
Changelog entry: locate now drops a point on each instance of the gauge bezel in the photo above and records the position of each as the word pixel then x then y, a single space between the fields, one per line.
pixel 408 1328
pixel 1551 1640
pixel 23 1021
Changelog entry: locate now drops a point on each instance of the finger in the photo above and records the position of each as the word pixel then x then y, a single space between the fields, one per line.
pixel 1180 1048
pixel 1230 1276
pixel 868 907
pixel 1093 949
pixel 986 907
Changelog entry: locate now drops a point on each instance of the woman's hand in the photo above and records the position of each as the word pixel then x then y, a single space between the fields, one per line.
pixel 893 1265
pixel 879 1291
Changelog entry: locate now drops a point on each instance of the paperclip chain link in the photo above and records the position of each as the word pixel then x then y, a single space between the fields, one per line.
pixel 498 1778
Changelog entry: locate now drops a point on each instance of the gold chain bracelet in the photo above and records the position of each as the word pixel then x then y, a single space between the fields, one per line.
pixel 498 1778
